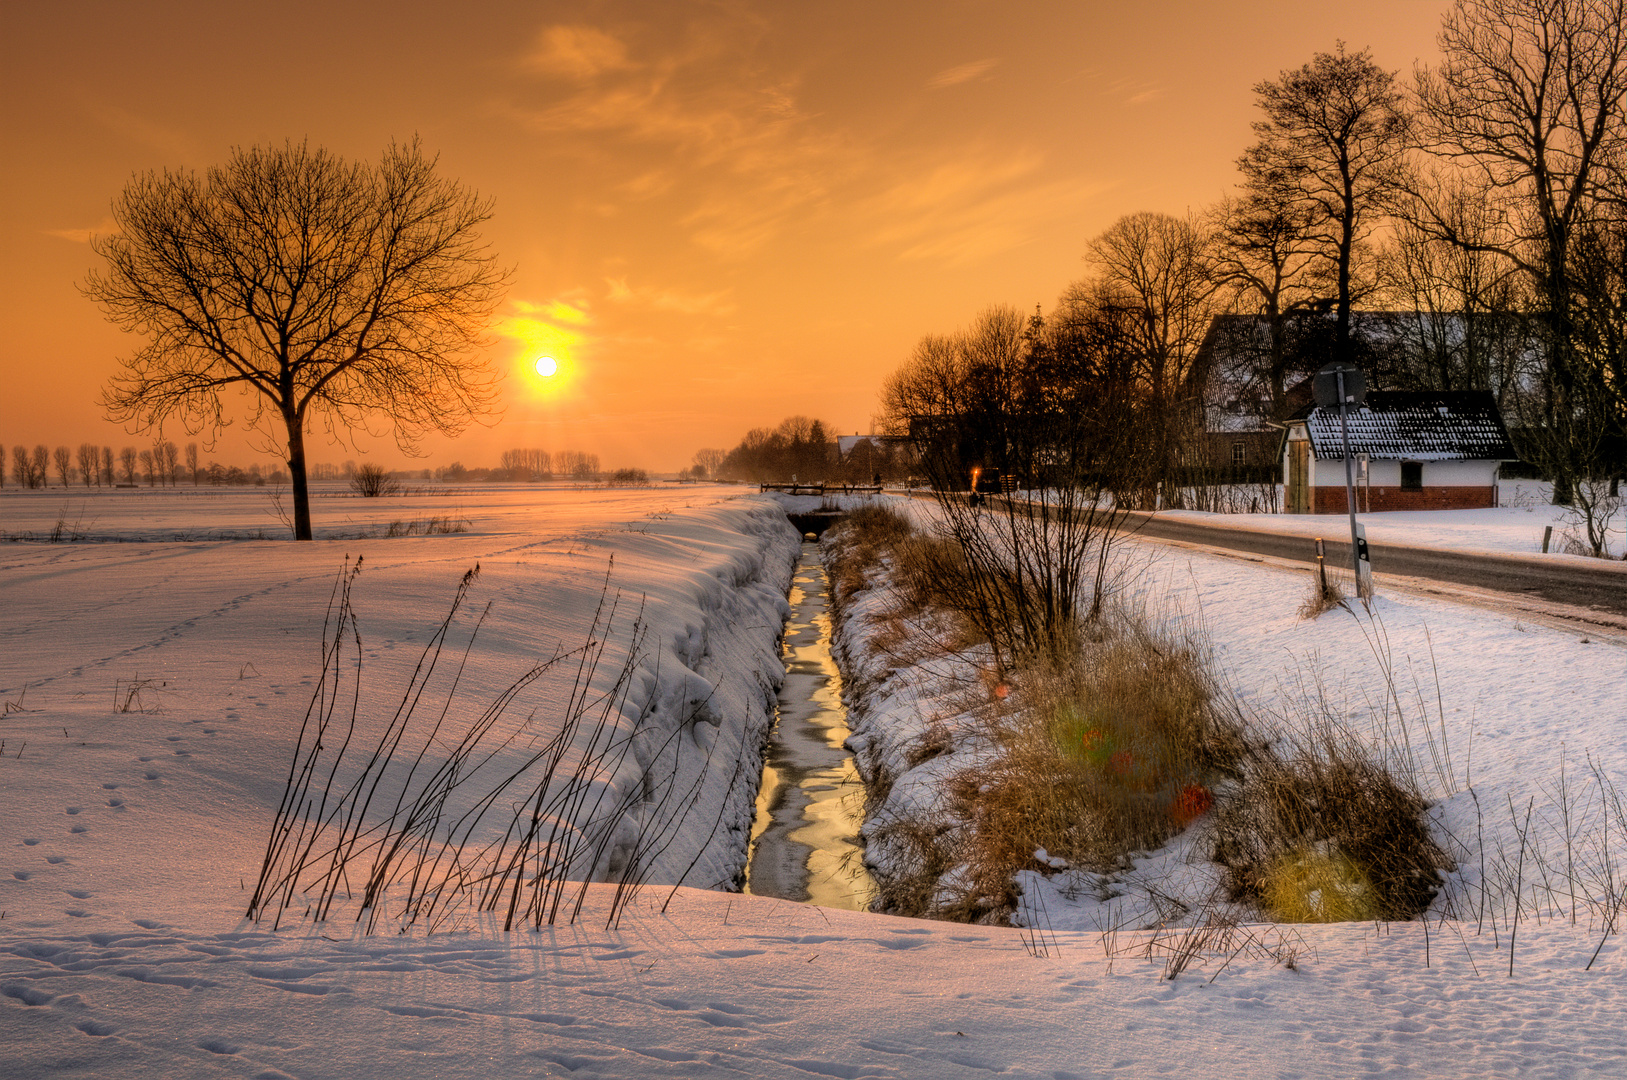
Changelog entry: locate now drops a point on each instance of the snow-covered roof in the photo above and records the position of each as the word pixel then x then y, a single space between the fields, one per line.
pixel 1459 425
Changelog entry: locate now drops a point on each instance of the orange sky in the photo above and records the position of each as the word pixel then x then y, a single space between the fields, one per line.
pixel 719 214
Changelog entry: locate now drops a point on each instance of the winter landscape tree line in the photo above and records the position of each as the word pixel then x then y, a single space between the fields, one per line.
pixel 161 465
pixel 1462 230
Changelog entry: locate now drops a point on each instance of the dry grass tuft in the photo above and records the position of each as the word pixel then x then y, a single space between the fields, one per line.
pixel 1115 754
pixel 1324 833
pixel 1325 596
pixel 864 536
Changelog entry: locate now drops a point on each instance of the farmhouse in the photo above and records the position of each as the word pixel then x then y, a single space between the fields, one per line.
pixel 1426 450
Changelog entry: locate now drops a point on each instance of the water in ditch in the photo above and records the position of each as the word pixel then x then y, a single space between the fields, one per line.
pixel 805 840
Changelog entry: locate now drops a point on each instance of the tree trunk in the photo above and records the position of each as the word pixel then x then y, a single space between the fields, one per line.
pixel 296 473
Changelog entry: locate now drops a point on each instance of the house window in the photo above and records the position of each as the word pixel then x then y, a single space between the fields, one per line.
pixel 1238 453
pixel 1412 476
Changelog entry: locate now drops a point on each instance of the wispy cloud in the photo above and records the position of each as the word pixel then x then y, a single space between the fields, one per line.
pixel 691 118
pixel 106 227
pixel 171 142
pixel 578 52
pixel 980 203
pixel 555 327
pixel 713 303
pixel 962 73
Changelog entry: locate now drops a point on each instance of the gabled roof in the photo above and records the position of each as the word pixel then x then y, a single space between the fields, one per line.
pixel 1458 425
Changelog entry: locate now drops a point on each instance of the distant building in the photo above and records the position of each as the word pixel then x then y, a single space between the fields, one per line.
pixel 1426 450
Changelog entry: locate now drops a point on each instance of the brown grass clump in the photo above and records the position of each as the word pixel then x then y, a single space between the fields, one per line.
pixel 1325 596
pixel 1116 754
pixel 1325 833
pixel 863 536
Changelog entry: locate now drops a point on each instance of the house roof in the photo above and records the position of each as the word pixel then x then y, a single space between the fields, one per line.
pixel 1460 425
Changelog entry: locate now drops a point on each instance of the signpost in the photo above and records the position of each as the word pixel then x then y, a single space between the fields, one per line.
pixel 1345 385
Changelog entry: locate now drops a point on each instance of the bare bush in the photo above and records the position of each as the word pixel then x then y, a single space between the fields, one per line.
pixel 374 481
pixel 1322 831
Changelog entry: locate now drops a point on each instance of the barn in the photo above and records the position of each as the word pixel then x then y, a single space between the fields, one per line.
pixel 1426 450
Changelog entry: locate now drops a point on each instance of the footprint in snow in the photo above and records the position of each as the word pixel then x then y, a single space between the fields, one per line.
pixel 79 829
pixel 94 1027
pixel 32 842
pixel 150 775
pixel 74 809
pixel 26 994
pixel 54 859
pixel 110 787
pixel 116 804
pixel 78 894
pixel 21 875
pixel 77 913
pixel 218 1046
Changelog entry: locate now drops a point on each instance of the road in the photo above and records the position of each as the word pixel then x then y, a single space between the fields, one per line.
pixel 1598 586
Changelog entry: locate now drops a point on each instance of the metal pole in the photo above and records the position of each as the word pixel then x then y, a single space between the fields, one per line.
pixel 1350 484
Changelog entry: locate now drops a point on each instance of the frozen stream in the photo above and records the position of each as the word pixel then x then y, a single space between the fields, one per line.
pixel 804 842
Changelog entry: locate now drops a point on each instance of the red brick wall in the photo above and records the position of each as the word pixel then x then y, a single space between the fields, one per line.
pixel 1331 500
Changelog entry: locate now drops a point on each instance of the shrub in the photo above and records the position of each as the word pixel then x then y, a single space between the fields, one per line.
pixel 1325 833
pixel 1117 753
pixel 372 481
pixel 629 477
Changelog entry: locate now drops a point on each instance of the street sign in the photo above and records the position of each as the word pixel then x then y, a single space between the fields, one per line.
pixel 1325 385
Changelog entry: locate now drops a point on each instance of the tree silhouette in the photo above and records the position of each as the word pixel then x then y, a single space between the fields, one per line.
pixel 336 293
pixel 1333 143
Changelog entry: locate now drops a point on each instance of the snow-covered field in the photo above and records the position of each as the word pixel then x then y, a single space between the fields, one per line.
pixel 126 834
pixel 1515 526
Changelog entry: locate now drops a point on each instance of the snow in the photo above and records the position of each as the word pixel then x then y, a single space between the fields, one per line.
pixel 123 949
pixel 1515 527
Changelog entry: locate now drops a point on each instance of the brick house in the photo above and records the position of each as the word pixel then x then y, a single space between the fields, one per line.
pixel 1426 450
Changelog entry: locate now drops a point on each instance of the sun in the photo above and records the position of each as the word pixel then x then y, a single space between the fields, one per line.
pixel 546 366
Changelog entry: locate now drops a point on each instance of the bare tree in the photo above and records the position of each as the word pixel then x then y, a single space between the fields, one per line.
pixel 1462 307
pixel 89 458
pixel 1157 270
pixel 39 467
pixel 707 460
pixel 2 465
pixel 169 458
pixel 149 467
pixel 62 457
pixel 1263 256
pixel 192 463
pixel 337 293
pixel 1334 139
pixel 127 464
pixel 1531 95
pixel 19 466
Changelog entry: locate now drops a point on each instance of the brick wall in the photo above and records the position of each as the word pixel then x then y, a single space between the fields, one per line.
pixel 1331 500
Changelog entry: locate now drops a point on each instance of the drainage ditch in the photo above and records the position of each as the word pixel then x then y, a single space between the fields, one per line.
pixel 805 840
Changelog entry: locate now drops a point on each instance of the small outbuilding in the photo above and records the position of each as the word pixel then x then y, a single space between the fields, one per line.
pixel 1425 450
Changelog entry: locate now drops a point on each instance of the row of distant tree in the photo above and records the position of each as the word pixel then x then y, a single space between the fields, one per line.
pixel 161 465
pixel 802 449
pixel 1486 198
pixel 164 464
pixel 528 465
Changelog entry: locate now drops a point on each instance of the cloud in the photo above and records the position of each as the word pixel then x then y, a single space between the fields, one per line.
pixel 554 327
pixel 690 117
pixel 578 52
pixel 106 227
pixel 962 73
pixel 171 142
pixel 979 203
pixel 713 303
